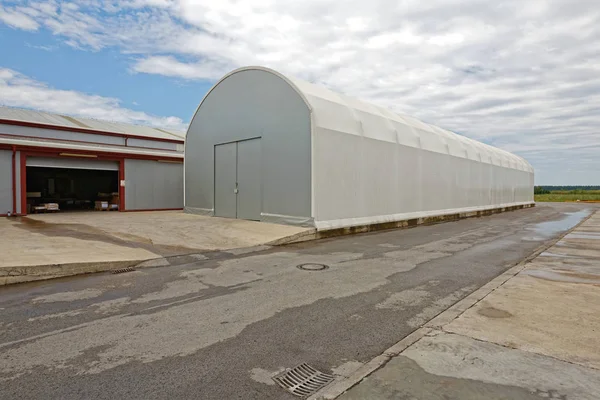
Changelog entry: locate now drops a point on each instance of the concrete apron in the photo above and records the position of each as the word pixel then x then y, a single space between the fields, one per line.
pixel 22 274
pixel 532 332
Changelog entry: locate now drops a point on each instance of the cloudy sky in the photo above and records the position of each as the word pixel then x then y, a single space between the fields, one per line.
pixel 520 75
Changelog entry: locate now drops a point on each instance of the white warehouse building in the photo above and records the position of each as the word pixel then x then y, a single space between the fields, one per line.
pixel 266 147
pixel 72 163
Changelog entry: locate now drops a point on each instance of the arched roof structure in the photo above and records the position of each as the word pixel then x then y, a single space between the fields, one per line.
pixel 337 112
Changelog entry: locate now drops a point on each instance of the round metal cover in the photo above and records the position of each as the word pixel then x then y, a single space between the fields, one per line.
pixel 312 267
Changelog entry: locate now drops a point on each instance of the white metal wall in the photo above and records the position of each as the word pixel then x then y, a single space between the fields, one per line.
pixel 6 200
pixel 18 181
pixel 154 144
pixel 153 185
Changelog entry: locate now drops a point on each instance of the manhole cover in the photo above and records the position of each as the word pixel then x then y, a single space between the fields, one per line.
pixel 313 267
pixel 303 380
pixel 122 270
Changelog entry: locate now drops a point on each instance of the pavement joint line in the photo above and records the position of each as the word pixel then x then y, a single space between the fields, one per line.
pixel 518 349
pixel 343 384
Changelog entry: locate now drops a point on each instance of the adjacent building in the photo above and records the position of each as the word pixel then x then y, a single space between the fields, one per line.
pixel 266 147
pixel 75 162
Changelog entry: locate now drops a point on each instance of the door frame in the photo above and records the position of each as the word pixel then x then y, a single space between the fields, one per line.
pixel 246 193
pixel 236 158
pixel 237 141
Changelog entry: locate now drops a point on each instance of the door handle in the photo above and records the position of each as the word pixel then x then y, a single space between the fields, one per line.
pixel 236 190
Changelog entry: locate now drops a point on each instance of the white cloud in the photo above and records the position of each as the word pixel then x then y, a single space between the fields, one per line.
pixel 18 90
pixel 520 75
pixel 16 18
pixel 169 66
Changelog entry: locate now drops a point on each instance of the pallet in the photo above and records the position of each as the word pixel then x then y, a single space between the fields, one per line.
pixel 44 211
pixel 106 209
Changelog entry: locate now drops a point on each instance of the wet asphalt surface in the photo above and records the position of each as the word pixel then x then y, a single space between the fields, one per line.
pixel 220 328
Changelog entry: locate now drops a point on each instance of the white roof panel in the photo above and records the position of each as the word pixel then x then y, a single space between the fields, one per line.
pixel 324 102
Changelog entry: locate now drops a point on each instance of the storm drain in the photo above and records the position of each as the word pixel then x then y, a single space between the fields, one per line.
pixel 122 270
pixel 312 267
pixel 303 380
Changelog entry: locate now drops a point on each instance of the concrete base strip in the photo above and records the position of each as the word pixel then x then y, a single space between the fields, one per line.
pixel 23 274
pixel 327 232
pixel 343 384
pixel 305 236
pixel 369 224
pixel 316 234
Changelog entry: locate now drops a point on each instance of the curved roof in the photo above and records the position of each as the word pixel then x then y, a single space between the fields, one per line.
pixel 336 112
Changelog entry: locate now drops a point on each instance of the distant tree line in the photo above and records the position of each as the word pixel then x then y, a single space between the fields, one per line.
pixel 574 189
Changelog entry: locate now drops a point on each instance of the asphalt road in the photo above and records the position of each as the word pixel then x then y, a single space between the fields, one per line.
pixel 220 328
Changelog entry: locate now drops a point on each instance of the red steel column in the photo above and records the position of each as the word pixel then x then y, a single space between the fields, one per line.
pixel 23 183
pixel 14 179
pixel 14 171
pixel 121 187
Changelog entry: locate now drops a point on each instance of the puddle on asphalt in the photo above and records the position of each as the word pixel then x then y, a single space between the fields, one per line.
pixel 545 230
pixel 564 276
pixel 492 312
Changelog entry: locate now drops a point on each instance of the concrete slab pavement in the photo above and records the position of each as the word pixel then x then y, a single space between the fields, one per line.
pixel 536 335
pixel 52 245
pixel 552 307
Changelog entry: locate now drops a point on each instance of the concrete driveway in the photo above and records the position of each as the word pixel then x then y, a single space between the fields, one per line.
pixel 97 237
pixel 220 328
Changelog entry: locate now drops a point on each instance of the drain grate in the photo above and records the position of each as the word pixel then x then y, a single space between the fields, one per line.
pixel 303 380
pixel 312 267
pixel 122 270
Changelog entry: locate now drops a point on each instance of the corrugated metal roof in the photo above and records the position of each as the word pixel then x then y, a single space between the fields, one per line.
pixel 40 117
pixel 92 147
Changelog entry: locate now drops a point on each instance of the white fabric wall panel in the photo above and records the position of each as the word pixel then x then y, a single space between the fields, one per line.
pixel 360 180
pixel 409 167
